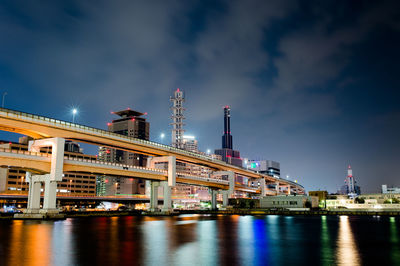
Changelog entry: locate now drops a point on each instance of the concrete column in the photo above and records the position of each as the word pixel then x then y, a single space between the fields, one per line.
pixel 213 199
pixel 50 194
pixel 29 180
pixel 288 189
pixel 225 200
pixel 171 171
pixel 167 206
pixel 154 196
pixel 34 200
pixel 262 185
pixel 277 188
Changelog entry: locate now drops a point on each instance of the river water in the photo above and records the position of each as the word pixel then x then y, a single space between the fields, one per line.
pixel 203 240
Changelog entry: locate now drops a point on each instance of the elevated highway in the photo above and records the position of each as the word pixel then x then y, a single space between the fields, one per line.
pixel 40 127
pixel 48 168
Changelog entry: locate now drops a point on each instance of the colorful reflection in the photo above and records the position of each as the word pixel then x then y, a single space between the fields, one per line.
pixel 201 240
pixel 30 243
pixel 347 253
pixel 326 249
pixel 394 240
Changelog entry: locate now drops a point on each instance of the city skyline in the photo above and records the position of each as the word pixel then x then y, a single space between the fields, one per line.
pixel 312 86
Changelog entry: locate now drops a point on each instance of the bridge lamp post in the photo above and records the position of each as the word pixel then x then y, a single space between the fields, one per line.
pixel 208 151
pixel 74 112
pixel 4 96
pixel 162 136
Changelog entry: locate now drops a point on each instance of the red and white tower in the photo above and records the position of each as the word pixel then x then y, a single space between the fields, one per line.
pixel 350 181
pixel 177 119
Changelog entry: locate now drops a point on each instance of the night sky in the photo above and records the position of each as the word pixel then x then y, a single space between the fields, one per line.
pixel 311 84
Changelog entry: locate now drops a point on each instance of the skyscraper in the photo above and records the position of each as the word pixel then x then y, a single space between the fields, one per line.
pixel 177 119
pixel 227 152
pixel 131 123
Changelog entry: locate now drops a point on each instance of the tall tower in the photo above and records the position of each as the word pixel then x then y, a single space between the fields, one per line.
pixel 350 188
pixel 177 119
pixel 227 152
pixel 350 181
pixel 227 137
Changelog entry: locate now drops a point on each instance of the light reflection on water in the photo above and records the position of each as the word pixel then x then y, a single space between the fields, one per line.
pixel 347 253
pixel 200 240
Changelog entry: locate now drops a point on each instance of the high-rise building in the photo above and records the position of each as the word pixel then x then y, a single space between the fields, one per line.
pixel 132 124
pixel 350 188
pixel 268 167
pixel 177 119
pixel 227 152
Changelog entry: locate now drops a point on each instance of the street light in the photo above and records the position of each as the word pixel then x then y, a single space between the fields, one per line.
pixel 162 137
pixel 208 151
pixel 2 103
pixel 74 112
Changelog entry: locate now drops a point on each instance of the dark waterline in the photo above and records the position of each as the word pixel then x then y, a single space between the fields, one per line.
pixel 202 240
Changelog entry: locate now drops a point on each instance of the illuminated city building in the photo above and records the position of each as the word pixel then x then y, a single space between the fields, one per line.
pixel 131 123
pixel 267 167
pixel 350 188
pixel 227 153
pixel 12 180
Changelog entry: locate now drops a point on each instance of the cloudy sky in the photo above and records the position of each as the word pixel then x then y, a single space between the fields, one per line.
pixel 312 84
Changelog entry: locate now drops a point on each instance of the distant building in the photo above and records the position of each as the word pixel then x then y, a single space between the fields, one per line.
pixel 267 167
pixel 386 190
pixel 322 196
pixel 227 153
pixel 132 124
pixel 289 202
pixel 190 144
pixel 350 188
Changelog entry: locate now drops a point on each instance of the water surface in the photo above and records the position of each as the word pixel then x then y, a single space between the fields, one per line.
pixel 202 240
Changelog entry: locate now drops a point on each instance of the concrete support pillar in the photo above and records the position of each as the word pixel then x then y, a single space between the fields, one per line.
pixel 225 200
pixel 171 171
pixel 288 189
pixel 50 196
pixel 262 186
pixel 50 180
pixel 277 188
pixel 154 196
pixel 34 199
pixel 214 194
pixel 167 206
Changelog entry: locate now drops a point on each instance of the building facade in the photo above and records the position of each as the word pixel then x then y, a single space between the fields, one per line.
pixel 13 181
pixel 386 189
pixel 289 202
pixel 267 167
pixel 132 124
